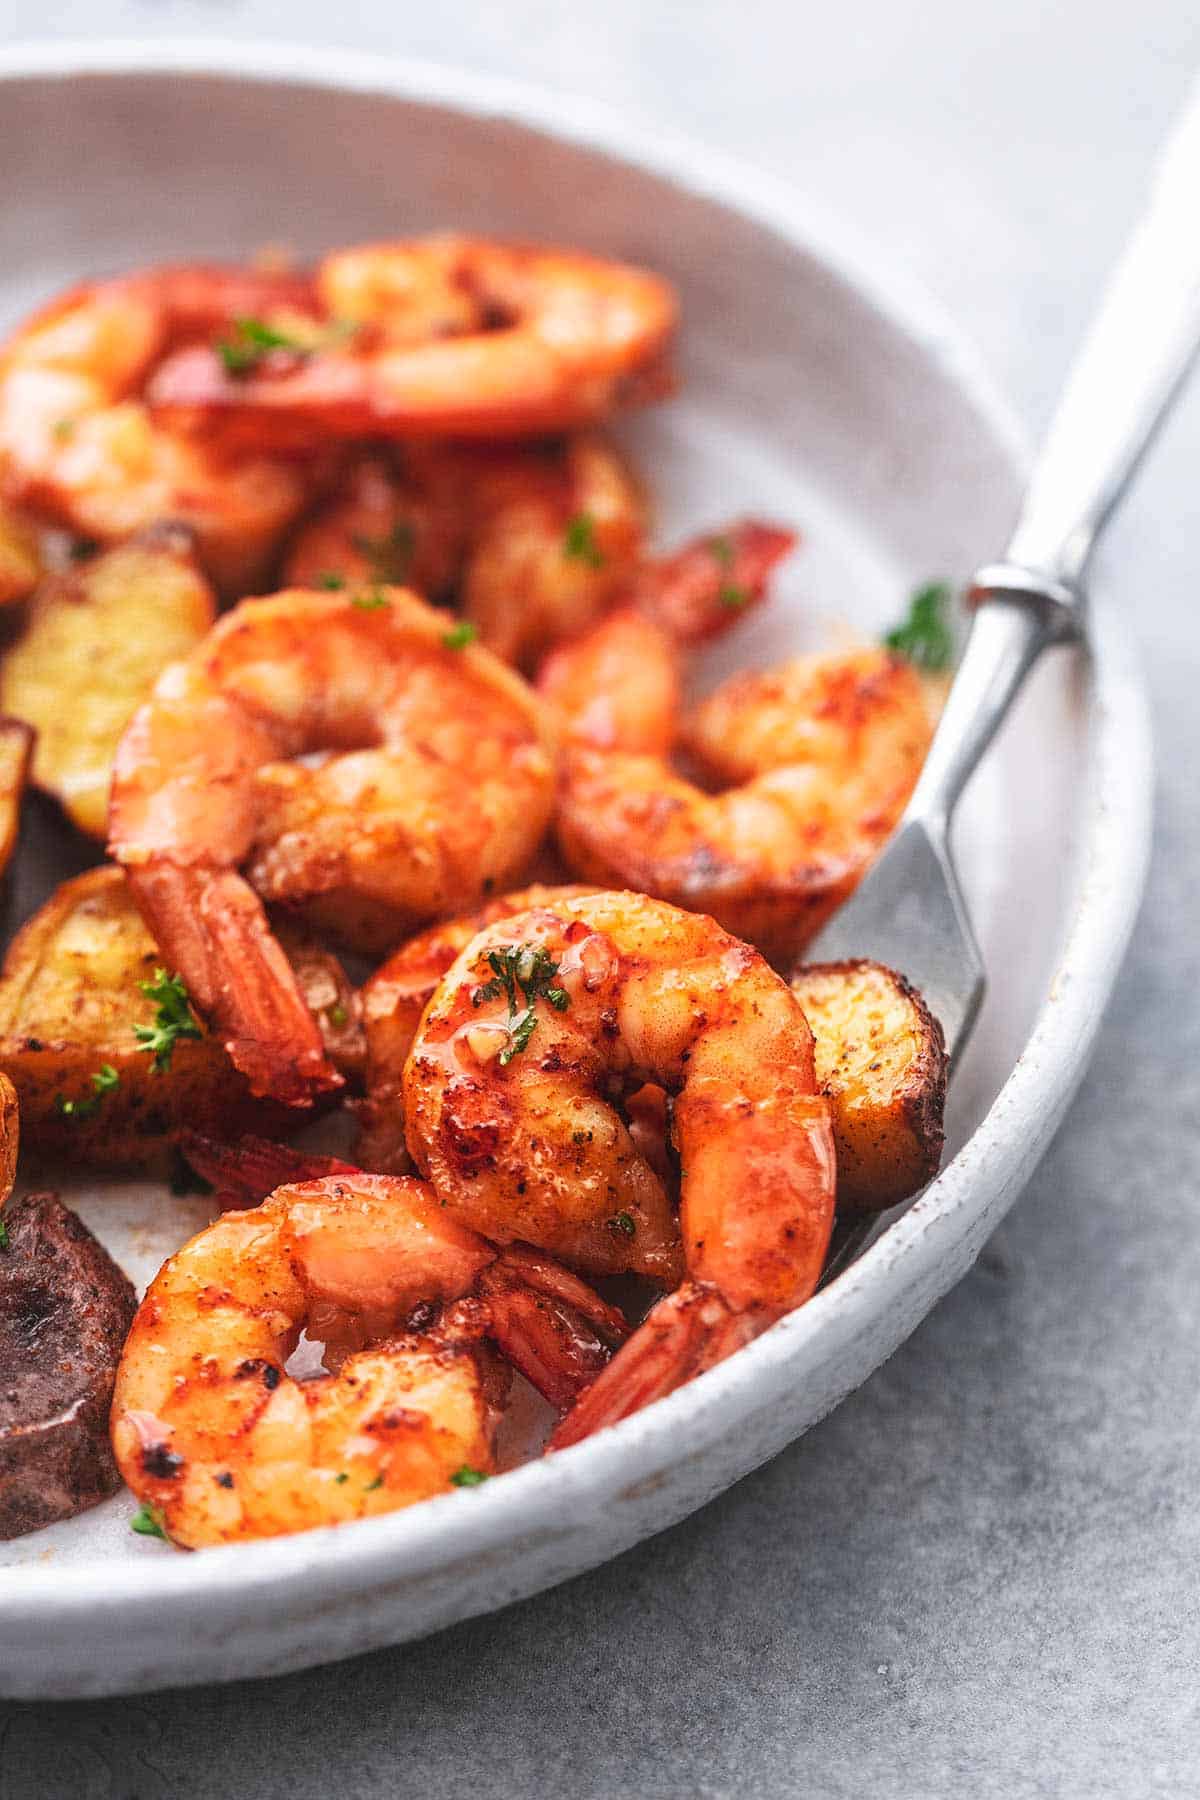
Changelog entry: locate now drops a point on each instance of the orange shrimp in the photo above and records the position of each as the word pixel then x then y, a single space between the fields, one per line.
pixel 458 337
pixel 210 1430
pixel 78 444
pixel 435 781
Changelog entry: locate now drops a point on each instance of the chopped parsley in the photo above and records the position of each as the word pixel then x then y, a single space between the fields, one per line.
pixel 370 600
pixel 64 429
pixel 731 595
pixel 521 971
pixel 372 1485
pixel 460 635
pixel 147 1523
pixel 925 637
pixel 721 551
pixel 579 541
pixel 390 556
pixel 173 1018
pixel 251 340
pixel 339 1479
pixel 468 1477
pixel 3 1235
pixel 624 1223
pixel 337 1015
pixel 329 578
pixel 103 1081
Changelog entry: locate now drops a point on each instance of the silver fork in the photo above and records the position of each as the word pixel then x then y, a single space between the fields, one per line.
pixel 909 912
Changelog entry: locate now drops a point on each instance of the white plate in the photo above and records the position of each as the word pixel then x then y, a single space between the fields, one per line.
pixel 815 388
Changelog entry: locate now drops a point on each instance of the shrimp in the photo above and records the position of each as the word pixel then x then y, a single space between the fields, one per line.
pixel 392 1001
pixel 210 1430
pixel 433 782
pixel 544 1021
pixel 390 518
pixel 78 444
pixel 816 761
pixel 459 337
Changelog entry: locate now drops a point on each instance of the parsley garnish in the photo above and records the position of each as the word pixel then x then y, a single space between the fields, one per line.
pixel 390 556
pixel 329 578
pixel 732 596
pixel 468 1477
pixel 370 601
pixel 341 1477
pixel 337 1015
pixel 721 551
pixel 580 543
pixel 3 1235
pixel 925 637
pixel 173 1018
pixel 460 635
pixel 528 968
pixel 103 1081
pixel 372 1485
pixel 147 1523
pixel 64 429
pixel 249 342
pixel 624 1223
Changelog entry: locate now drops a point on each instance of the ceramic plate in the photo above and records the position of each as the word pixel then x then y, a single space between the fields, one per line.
pixel 815 388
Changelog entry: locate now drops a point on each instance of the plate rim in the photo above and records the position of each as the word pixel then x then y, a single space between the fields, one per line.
pixel 970 1196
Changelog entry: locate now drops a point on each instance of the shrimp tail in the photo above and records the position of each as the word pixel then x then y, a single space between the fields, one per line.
pixel 549 1324
pixel 246 1172
pixel 237 973
pixel 688 1332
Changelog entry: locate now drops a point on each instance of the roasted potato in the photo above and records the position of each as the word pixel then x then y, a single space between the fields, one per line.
pixel 10 1134
pixel 98 637
pixel 16 750
pixel 881 1060
pixel 20 557
pixel 70 1001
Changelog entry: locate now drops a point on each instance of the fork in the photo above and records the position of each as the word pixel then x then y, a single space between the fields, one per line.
pixel 909 911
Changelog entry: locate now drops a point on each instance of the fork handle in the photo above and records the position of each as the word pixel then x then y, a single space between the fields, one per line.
pixel 1131 368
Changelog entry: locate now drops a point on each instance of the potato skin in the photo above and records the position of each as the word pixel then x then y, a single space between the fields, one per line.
pixel 98 637
pixel 881 1059
pixel 16 753
pixel 69 1000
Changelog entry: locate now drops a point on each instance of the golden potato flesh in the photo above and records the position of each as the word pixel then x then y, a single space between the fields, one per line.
pixel 98 637
pixel 70 1001
pixel 9 1136
pixel 20 558
pixel 882 1062
pixel 16 750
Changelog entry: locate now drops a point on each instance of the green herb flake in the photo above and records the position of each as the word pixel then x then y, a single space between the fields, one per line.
pixel 147 1523
pixel 624 1223
pixel 370 600
pixel 337 1015
pixel 339 1479
pixel 460 635
pixel 173 1018
pixel 64 429
pixel 372 1485
pixel 3 1235
pixel 721 551
pixel 251 340
pixel 468 1477
pixel 331 580
pixel 579 541
pixel 925 637
pixel 521 972
pixel 390 555
pixel 103 1081
pixel 732 596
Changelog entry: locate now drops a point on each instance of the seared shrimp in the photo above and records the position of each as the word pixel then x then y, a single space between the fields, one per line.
pixel 816 761
pixel 392 1002
pixel 460 337
pixel 545 1020
pixel 392 518
pixel 210 1430
pixel 77 442
pixel 434 782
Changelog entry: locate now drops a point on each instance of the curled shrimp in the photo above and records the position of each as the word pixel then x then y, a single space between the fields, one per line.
pixel 458 337
pixel 433 781
pixel 396 517
pixel 78 444
pixel 209 1428
pixel 543 1023
pixel 813 763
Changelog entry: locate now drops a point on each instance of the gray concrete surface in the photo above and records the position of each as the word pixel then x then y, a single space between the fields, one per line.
pixel 980 1577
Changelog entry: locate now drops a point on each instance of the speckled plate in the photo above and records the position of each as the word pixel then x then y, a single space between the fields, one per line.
pixel 817 388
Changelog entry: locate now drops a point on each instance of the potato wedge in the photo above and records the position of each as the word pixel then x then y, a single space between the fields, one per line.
pixel 98 637
pixel 20 557
pixel 10 1136
pixel 69 1002
pixel 16 752
pixel 881 1060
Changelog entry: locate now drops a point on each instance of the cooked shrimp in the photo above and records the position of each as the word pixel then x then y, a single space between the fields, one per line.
pixel 390 518
pixel 545 1020
pixel 210 1430
pixel 77 442
pixel 822 756
pixel 462 338
pixel 618 686
pixel 394 998
pixel 434 782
